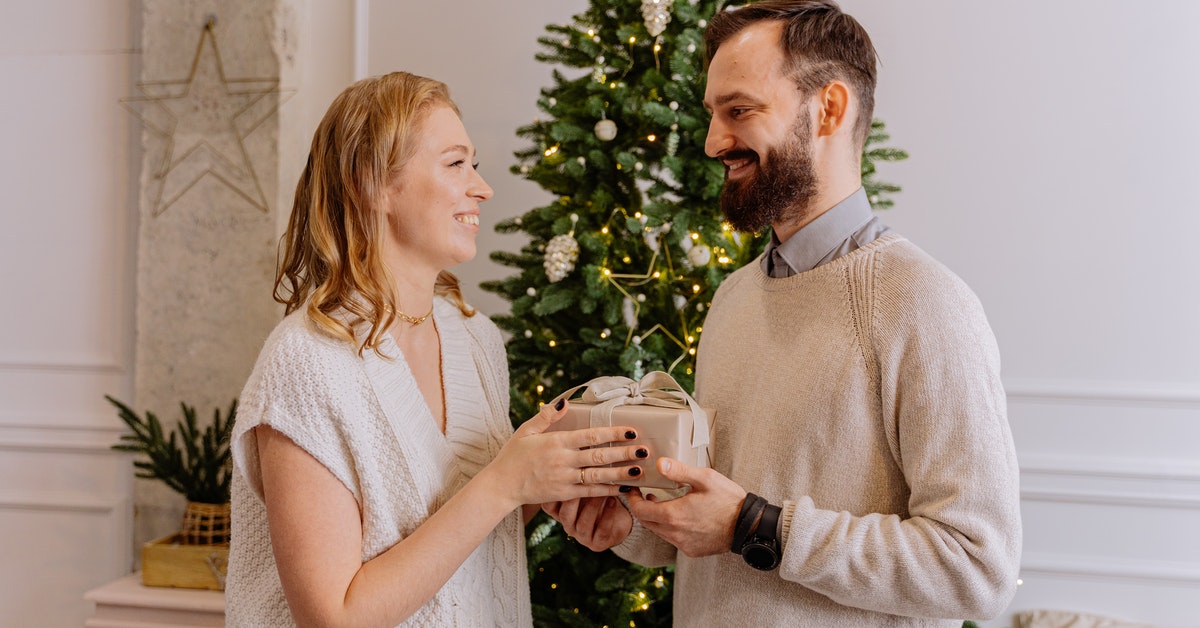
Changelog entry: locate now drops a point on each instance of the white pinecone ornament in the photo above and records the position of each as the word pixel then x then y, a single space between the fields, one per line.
pixel 656 14
pixel 561 254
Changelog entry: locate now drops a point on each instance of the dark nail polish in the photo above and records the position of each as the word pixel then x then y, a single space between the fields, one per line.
pixel 630 434
pixel 560 404
pixel 625 489
pixel 635 471
pixel 641 453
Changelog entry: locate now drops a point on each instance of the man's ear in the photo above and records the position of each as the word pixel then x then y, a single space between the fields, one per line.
pixel 833 108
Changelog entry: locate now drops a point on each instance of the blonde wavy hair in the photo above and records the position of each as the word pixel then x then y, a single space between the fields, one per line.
pixel 331 256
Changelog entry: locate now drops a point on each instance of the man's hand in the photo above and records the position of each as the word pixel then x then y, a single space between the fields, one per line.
pixel 598 523
pixel 700 523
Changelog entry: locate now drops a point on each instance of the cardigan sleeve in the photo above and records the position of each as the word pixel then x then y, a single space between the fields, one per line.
pixel 302 385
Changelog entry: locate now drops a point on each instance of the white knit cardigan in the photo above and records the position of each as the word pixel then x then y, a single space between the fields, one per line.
pixel 365 420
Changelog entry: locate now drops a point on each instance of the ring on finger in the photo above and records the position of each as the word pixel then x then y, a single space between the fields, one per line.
pixel 581 480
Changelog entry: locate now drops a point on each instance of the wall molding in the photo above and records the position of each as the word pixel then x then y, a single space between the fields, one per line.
pixel 63 366
pixel 1142 571
pixel 1102 392
pixel 1111 498
pixel 1138 469
pixel 63 501
pixel 362 30
pixel 58 439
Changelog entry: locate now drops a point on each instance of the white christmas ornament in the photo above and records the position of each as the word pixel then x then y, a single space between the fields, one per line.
pixel 699 255
pixel 561 255
pixel 606 130
pixel 628 313
pixel 656 14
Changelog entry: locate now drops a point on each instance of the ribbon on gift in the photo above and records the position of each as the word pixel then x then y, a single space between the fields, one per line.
pixel 655 389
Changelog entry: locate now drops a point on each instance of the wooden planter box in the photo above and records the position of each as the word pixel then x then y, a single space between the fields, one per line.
pixel 167 563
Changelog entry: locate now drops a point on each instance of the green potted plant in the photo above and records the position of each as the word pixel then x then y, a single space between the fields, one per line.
pixel 197 464
pixel 194 462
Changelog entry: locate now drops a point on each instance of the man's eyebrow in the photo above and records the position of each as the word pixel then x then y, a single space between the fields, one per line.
pixel 726 98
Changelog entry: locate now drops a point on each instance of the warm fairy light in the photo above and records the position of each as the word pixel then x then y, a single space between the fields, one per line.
pixel 694 235
pixel 632 39
pixel 551 150
pixel 726 226
pixel 695 287
pixel 591 32
pixel 541 389
pixel 606 272
pixel 691 339
pixel 642 594
pixel 553 343
pixel 651 137
pixel 626 259
pixel 692 351
pixel 699 329
pixel 657 47
pixel 604 230
pixel 637 215
pixel 612 85
pixel 724 260
pixel 553 585
pixel 657 274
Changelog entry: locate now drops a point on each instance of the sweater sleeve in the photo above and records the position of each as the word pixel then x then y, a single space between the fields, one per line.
pixel 645 548
pixel 955 554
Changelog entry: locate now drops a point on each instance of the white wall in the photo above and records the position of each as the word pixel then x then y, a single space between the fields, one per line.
pixel 1052 145
pixel 67 224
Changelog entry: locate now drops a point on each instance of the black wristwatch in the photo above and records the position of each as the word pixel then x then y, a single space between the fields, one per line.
pixel 761 550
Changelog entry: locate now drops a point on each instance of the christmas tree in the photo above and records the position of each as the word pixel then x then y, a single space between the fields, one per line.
pixel 622 265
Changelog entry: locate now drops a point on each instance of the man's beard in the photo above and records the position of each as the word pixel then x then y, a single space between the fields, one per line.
pixel 781 190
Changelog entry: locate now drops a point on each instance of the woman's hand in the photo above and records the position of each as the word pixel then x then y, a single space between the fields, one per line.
pixel 537 467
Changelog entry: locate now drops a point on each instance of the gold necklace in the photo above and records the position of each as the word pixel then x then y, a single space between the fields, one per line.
pixel 411 320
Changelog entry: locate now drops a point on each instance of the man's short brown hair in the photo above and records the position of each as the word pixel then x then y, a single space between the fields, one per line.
pixel 820 44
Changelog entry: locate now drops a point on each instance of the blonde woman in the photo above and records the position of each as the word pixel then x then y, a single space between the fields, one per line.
pixel 377 478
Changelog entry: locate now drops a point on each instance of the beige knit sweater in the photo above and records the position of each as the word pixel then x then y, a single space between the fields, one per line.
pixel 863 396
pixel 365 420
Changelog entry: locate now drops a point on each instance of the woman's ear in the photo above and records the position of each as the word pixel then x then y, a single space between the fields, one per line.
pixel 833 108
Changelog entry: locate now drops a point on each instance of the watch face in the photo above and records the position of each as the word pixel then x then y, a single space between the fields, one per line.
pixel 760 556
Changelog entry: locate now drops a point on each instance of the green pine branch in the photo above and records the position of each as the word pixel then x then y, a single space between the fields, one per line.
pixel 193 462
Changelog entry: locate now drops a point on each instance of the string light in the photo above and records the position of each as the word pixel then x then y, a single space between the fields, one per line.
pixel 541 389
pixel 696 288
pixel 632 39
pixel 695 236
pixel 553 343
pixel 651 137
pixel 604 230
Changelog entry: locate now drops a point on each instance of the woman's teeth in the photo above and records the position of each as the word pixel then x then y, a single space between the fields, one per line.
pixel 468 219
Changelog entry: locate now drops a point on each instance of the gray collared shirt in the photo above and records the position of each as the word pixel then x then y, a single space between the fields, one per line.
pixel 841 230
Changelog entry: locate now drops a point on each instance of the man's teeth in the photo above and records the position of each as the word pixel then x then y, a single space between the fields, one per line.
pixel 468 219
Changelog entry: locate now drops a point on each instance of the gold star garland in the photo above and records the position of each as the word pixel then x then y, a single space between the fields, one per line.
pixel 205 119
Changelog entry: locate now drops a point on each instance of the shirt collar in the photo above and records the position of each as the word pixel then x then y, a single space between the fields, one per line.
pixel 816 240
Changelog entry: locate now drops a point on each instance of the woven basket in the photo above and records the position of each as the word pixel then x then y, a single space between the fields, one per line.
pixel 205 524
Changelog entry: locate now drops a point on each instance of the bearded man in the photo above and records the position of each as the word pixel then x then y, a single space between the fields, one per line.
pixel 863 469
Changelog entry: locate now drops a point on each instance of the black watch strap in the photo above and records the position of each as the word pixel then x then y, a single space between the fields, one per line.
pixel 752 507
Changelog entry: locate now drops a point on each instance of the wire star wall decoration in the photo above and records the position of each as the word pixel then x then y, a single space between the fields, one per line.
pixel 205 119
